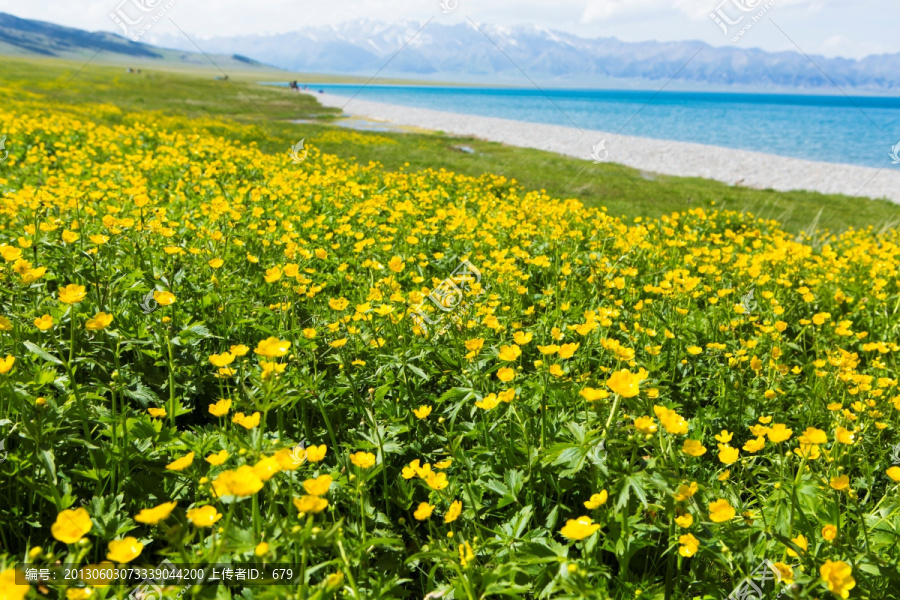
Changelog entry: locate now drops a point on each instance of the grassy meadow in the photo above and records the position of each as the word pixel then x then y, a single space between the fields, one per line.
pixel 403 371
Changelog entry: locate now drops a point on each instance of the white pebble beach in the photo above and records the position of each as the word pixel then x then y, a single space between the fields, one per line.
pixel 734 167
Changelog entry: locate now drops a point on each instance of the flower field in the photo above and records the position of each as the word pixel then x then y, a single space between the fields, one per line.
pixel 422 384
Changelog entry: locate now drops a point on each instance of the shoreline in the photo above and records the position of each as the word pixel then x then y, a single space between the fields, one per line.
pixel 745 168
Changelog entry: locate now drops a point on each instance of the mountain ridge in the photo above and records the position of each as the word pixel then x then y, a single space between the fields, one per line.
pixel 33 38
pixel 462 52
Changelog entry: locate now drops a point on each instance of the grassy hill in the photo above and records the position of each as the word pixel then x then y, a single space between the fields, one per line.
pixel 27 38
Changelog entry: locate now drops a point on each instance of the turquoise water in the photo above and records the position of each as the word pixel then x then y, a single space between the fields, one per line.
pixel 856 130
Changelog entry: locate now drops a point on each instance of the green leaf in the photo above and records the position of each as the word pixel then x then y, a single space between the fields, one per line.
pixel 42 353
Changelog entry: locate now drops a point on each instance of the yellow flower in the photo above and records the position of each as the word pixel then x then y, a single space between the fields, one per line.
pixel 645 425
pixel 205 516
pixel 801 542
pixel 694 350
pixel 71 525
pixel 814 436
pixel 221 360
pixel 152 516
pixel 157 413
pixel 787 573
pixel 842 482
pixel 363 460
pixel 124 550
pixel 721 511
pixel 689 545
pixel 671 420
pixel 273 275
pixel 396 264
pixel 551 349
pixel 684 521
pixel 241 482
pixel 506 374
pixel 6 364
pixel 245 421
pixel 422 412
pixel 466 555
pixel 182 463
pixel 272 347
pixel 894 473
pixel 725 436
pixel 844 436
pixel 217 459
pixel 509 353
pixel 310 504
pixel 164 298
pixel 592 395
pixel 779 433
pixel 625 383
pixel 334 581
pixel 838 577
pixel 338 303
pixel 522 338
pixel 507 396
pixel 453 512
pixel 567 350
pixel 9 589
pixel 338 343
pixel 216 263
pixel 488 402
pixel 474 346
pixel 423 511
pixel 597 500
pixel 755 445
pixel 436 481
pixel 5 325
pixel 412 470
pixel 220 408
pixel 580 528
pixel 693 448
pixel 309 333
pixel 261 549
pixel 270 369
pixel 727 454
pixel 72 294
pixel 44 323
pixel 316 453
pixel 685 491
pixel 100 322
pixel 829 532
pixel 820 318
pixel 318 486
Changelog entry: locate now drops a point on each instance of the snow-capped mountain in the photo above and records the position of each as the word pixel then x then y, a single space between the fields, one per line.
pixel 464 52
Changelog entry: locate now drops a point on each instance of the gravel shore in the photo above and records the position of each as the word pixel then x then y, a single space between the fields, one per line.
pixel 734 167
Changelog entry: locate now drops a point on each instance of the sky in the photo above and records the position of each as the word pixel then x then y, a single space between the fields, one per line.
pixel 850 28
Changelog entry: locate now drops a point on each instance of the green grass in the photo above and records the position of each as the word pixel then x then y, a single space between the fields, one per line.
pixel 622 190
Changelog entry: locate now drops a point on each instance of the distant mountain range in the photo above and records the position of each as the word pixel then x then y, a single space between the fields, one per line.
pixel 29 38
pixel 463 53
